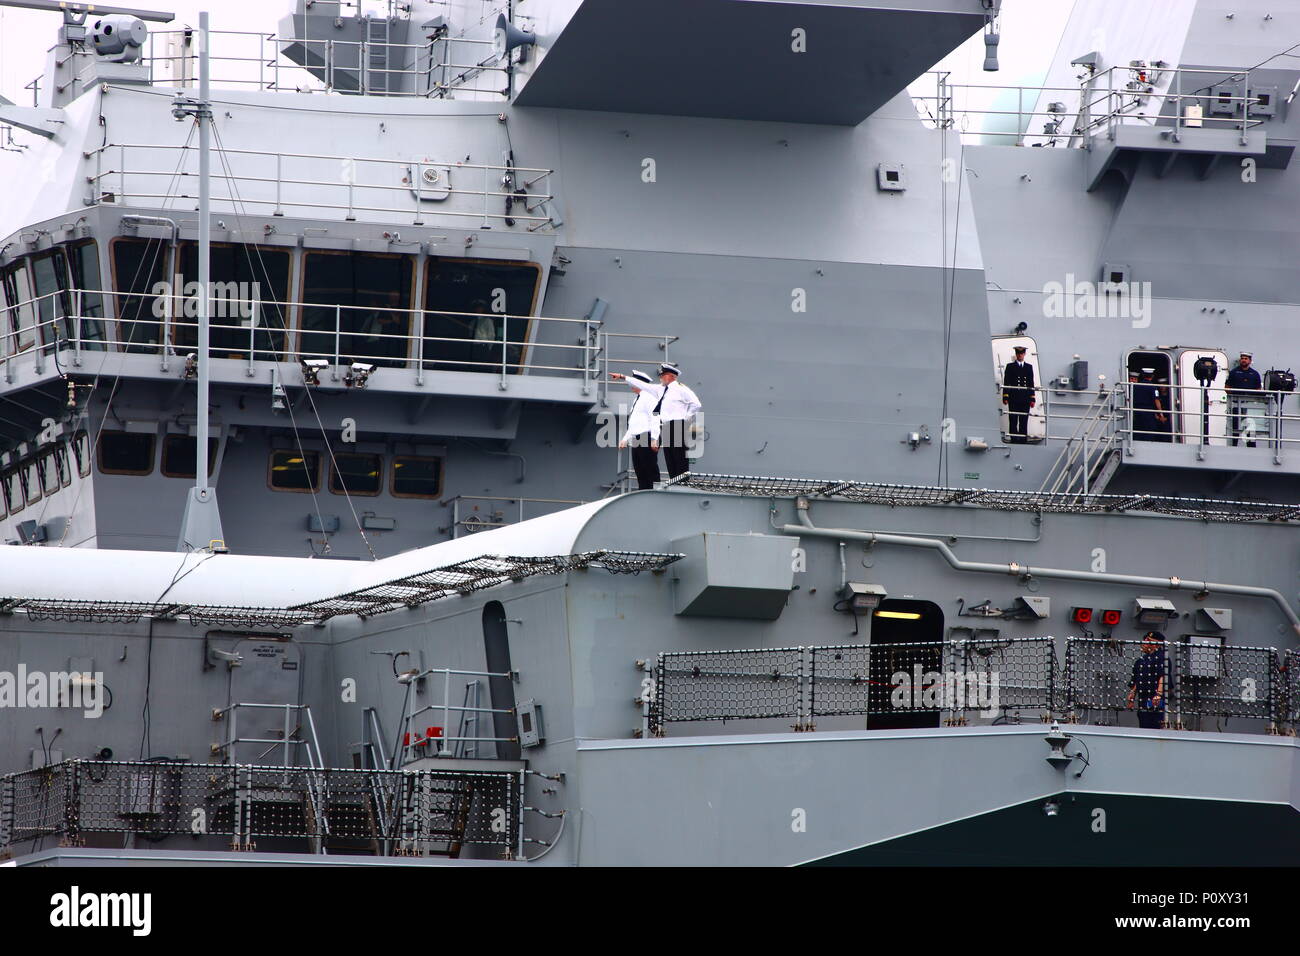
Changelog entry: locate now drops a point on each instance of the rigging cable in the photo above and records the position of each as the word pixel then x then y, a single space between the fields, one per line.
pixel 93 448
pixel 238 205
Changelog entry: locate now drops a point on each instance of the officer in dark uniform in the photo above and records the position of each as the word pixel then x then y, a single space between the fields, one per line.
pixel 1242 380
pixel 1150 423
pixel 1147 688
pixel 1019 396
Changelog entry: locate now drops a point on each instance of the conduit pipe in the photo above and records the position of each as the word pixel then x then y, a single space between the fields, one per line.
pixel 806 527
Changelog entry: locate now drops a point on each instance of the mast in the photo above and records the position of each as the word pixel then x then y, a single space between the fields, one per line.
pixel 201 526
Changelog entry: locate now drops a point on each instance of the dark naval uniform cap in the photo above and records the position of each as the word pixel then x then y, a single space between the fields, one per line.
pixel 1020 348
pixel 669 369
pixel 637 375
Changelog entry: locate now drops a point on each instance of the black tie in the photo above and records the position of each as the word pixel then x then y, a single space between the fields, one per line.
pixel 661 399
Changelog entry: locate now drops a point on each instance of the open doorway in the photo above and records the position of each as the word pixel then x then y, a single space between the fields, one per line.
pixel 1150 395
pixel 897 628
pixel 1024 418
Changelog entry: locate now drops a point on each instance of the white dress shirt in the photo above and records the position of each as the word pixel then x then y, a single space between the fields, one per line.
pixel 641 418
pixel 679 404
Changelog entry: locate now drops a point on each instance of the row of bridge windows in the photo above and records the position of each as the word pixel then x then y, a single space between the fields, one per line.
pixel 350 305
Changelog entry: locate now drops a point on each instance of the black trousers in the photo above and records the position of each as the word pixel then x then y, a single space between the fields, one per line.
pixel 645 461
pixel 1018 424
pixel 673 440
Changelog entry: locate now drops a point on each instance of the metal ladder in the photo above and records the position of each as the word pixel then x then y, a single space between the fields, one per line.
pixel 376 59
pixel 467 730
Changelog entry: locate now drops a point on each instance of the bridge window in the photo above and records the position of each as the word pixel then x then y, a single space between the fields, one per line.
pixel 20 314
pixel 416 477
pixel 81 449
pixel 49 473
pixel 126 453
pixel 31 482
pixel 83 266
pixel 295 470
pixel 373 294
pixel 13 494
pixel 484 293
pixel 353 474
pixel 59 457
pixel 50 281
pixel 139 265
pixel 179 455
pixel 250 285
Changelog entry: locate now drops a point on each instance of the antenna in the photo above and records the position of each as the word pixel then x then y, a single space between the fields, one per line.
pixel 80 10
pixel 201 526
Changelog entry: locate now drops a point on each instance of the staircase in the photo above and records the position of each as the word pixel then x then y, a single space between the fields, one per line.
pixel 1091 456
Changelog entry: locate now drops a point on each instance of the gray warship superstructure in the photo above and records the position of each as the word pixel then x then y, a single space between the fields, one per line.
pixel 882 619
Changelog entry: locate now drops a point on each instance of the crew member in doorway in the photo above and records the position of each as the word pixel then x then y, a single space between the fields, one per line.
pixel 1147 688
pixel 642 434
pixel 1242 380
pixel 1019 397
pixel 677 406
pixel 1150 423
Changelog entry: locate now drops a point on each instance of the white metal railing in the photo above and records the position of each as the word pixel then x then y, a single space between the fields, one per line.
pixel 57 324
pixel 1214 416
pixel 276 183
pixel 1106 100
pixel 1188 415
pixel 292 735
pixel 440 741
pixel 466 518
pixel 439 66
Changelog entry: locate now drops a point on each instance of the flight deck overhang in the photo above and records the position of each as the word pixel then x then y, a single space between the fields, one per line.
pixel 740 59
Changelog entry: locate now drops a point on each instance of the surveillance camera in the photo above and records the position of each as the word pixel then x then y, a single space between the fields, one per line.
pixel 357 375
pixel 311 369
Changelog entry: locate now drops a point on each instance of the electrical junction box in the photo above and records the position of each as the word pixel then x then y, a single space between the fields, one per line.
pixel 531 733
pixel 733 575
pixel 323 523
pixel 1033 606
pixel 1214 618
pixel 1204 656
pixel 890 178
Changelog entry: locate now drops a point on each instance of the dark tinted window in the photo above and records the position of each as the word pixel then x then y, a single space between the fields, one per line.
pixel 356 474
pixel 138 265
pixel 81 449
pixel 31 482
pixel 126 453
pixel 369 286
pixel 49 472
pixel 50 279
pixel 61 465
pixel 13 494
pixel 179 453
pixel 484 292
pixel 295 471
pixel 415 477
pixel 20 314
pixel 240 273
pixel 83 264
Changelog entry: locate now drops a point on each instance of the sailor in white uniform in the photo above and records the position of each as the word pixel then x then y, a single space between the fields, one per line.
pixel 677 406
pixel 642 434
